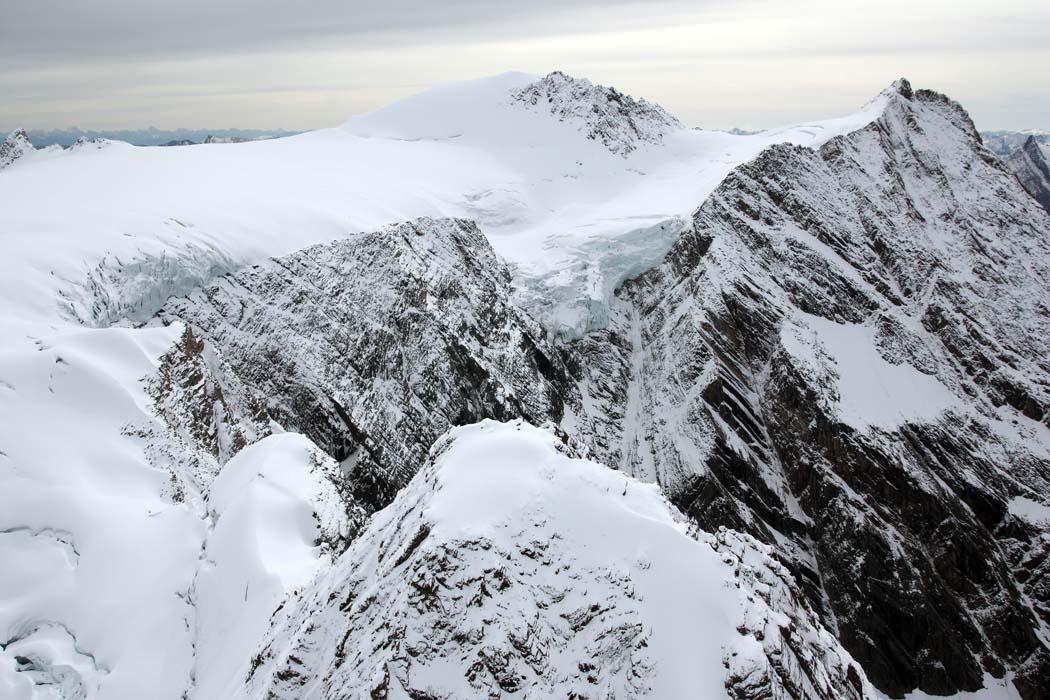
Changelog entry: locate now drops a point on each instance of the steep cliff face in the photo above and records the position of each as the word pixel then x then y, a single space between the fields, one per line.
pixel 206 414
pixel 1030 166
pixel 824 361
pixel 375 345
pixel 1004 143
pixel 431 598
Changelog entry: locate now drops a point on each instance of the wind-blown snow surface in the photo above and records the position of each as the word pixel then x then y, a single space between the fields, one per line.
pixel 100 233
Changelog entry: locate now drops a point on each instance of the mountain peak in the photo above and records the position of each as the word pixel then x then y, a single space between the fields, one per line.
pixel 924 104
pixel 620 122
pixel 1030 165
pixel 1033 148
pixel 15 146
pixel 85 142
pixel 902 86
pixel 17 134
pixel 822 347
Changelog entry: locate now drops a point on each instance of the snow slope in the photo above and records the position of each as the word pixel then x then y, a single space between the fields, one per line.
pixel 121 571
pixel 105 232
pixel 87 534
pixel 268 505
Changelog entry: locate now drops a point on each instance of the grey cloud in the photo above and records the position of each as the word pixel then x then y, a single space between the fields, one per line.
pixel 59 29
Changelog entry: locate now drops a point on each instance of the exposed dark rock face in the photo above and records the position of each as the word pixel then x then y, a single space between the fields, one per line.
pixel 620 122
pixel 909 235
pixel 206 416
pixel 191 395
pixel 1030 166
pixel 251 318
pixel 375 345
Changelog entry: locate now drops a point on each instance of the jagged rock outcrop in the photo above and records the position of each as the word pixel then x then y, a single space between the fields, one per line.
pixel 207 415
pixel 508 567
pixel 1004 143
pixel 824 361
pixel 618 121
pixel 1030 166
pixel 85 143
pixel 375 345
pixel 785 651
pixel 14 147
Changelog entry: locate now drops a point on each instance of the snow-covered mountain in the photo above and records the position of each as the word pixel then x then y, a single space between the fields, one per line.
pixel 1031 166
pixel 511 567
pixel 375 345
pixel 268 411
pixel 1003 143
pixel 619 121
pixel 823 361
pixel 571 217
pixel 15 146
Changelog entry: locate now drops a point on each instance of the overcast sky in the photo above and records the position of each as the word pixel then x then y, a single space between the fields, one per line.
pixel 112 64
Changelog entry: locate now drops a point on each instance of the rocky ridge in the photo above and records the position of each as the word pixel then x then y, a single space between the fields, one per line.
pixel 522 594
pixel 375 345
pixel 1029 164
pixel 301 301
pixel 621 123
pixel 1004 143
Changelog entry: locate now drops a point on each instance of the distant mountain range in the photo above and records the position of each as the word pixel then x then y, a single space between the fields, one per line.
pixel 1002 143
pixel 152 136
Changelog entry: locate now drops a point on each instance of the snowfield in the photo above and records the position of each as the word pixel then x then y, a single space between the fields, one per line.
pixel 97 559
pixel 871 391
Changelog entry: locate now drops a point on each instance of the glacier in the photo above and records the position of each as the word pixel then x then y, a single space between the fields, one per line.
pixel 554 203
